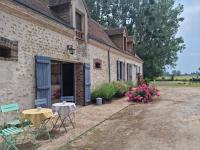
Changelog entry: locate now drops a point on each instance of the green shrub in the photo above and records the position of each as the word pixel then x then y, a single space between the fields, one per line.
pixel 106 91
pixel 121 88
pixel 147 80
pixel 130 84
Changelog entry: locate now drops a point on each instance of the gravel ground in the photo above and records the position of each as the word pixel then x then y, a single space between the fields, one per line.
pixel 171 122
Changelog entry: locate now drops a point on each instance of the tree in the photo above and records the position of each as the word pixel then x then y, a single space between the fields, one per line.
pixel 198 72
pixel 154 23
pixel 176 72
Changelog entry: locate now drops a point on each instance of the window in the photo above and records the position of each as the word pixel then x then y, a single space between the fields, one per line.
pixel 8 48
pixel 128 72
pixel 97 64
pixel 79 30
pixel 125 44
pixel 78 21
pixel 137 72
pixel 5 52
pixel 121 70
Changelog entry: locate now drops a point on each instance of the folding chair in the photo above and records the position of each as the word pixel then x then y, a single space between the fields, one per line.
pixel 14 110
pixel 41 103
pixel 9 136
pixel 43 127
pixel 10 133
pixel 67 99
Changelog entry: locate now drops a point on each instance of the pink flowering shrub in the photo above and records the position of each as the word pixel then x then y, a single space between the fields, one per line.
pixel 142 94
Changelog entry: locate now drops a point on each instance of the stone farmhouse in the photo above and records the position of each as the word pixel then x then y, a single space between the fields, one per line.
pixel 52 48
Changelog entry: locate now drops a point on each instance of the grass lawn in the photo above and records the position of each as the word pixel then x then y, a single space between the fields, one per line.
pixel 178 83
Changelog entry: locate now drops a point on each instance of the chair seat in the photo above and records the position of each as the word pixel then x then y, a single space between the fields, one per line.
pixel 10 131
pixel 14 122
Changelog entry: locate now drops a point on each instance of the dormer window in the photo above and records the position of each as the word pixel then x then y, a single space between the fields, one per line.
pixel 78 21
pixel 125 43
pixel 79 28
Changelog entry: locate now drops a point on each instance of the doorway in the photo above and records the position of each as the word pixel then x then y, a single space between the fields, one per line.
pixel 62 80
pixel 68 79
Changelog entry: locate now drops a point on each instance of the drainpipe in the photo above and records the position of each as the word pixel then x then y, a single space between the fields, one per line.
pixel 109 65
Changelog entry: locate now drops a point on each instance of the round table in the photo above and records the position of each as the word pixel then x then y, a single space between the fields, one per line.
pixel 37 116
pixel 64 109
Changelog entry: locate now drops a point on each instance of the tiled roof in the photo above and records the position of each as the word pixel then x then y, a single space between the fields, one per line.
pixel 138 57
pixel 42 7
pixel 115 31
pixel 57 2
pixel 97 32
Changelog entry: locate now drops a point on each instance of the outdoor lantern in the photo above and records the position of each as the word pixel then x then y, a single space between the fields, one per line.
pixel 70 49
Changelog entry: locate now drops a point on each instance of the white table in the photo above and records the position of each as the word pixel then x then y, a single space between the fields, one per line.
pixel 64 111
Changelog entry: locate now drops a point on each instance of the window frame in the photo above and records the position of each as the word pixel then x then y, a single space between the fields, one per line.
pixel 95 61
pixel 8 49
pixel 80 21
pixel 125 43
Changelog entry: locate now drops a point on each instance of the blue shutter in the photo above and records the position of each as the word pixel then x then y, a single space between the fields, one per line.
pixel 87 84
pixel 43 78
pixel 118 70
pixel 130 72
pixel 124 76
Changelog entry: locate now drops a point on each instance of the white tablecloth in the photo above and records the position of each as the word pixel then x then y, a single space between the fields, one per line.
pixel 64 109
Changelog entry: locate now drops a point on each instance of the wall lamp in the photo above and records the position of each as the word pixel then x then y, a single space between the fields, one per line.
pixel 70 49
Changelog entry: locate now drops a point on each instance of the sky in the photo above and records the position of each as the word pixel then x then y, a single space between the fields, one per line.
pixel 189 59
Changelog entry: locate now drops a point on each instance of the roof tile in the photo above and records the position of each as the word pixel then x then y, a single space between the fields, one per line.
pixel 97 32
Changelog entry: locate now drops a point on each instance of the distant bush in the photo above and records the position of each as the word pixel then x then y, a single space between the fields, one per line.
pixel 105 91
pixel 195 79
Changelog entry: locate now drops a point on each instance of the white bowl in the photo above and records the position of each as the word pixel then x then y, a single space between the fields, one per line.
pixel 39 108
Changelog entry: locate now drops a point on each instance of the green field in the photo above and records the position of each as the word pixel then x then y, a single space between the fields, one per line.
pixel 177 83
pixel 178 78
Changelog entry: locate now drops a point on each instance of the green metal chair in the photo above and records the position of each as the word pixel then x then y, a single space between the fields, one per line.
pixel 14 109
pixel 9 136
pixel 11 132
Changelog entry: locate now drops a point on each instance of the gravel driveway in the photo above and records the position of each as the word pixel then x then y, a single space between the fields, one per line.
pixel 169 123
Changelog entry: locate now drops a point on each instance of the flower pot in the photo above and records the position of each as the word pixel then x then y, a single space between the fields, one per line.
pixel 99 101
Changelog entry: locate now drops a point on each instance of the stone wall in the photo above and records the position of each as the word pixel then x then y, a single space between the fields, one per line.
pixel 18 77
pixel 117 57
pixel 100 51
pixel 98 76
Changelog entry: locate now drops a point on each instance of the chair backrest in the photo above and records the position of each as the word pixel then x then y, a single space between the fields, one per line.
pixel 41 102
pixel 67 98
pixel 9 108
